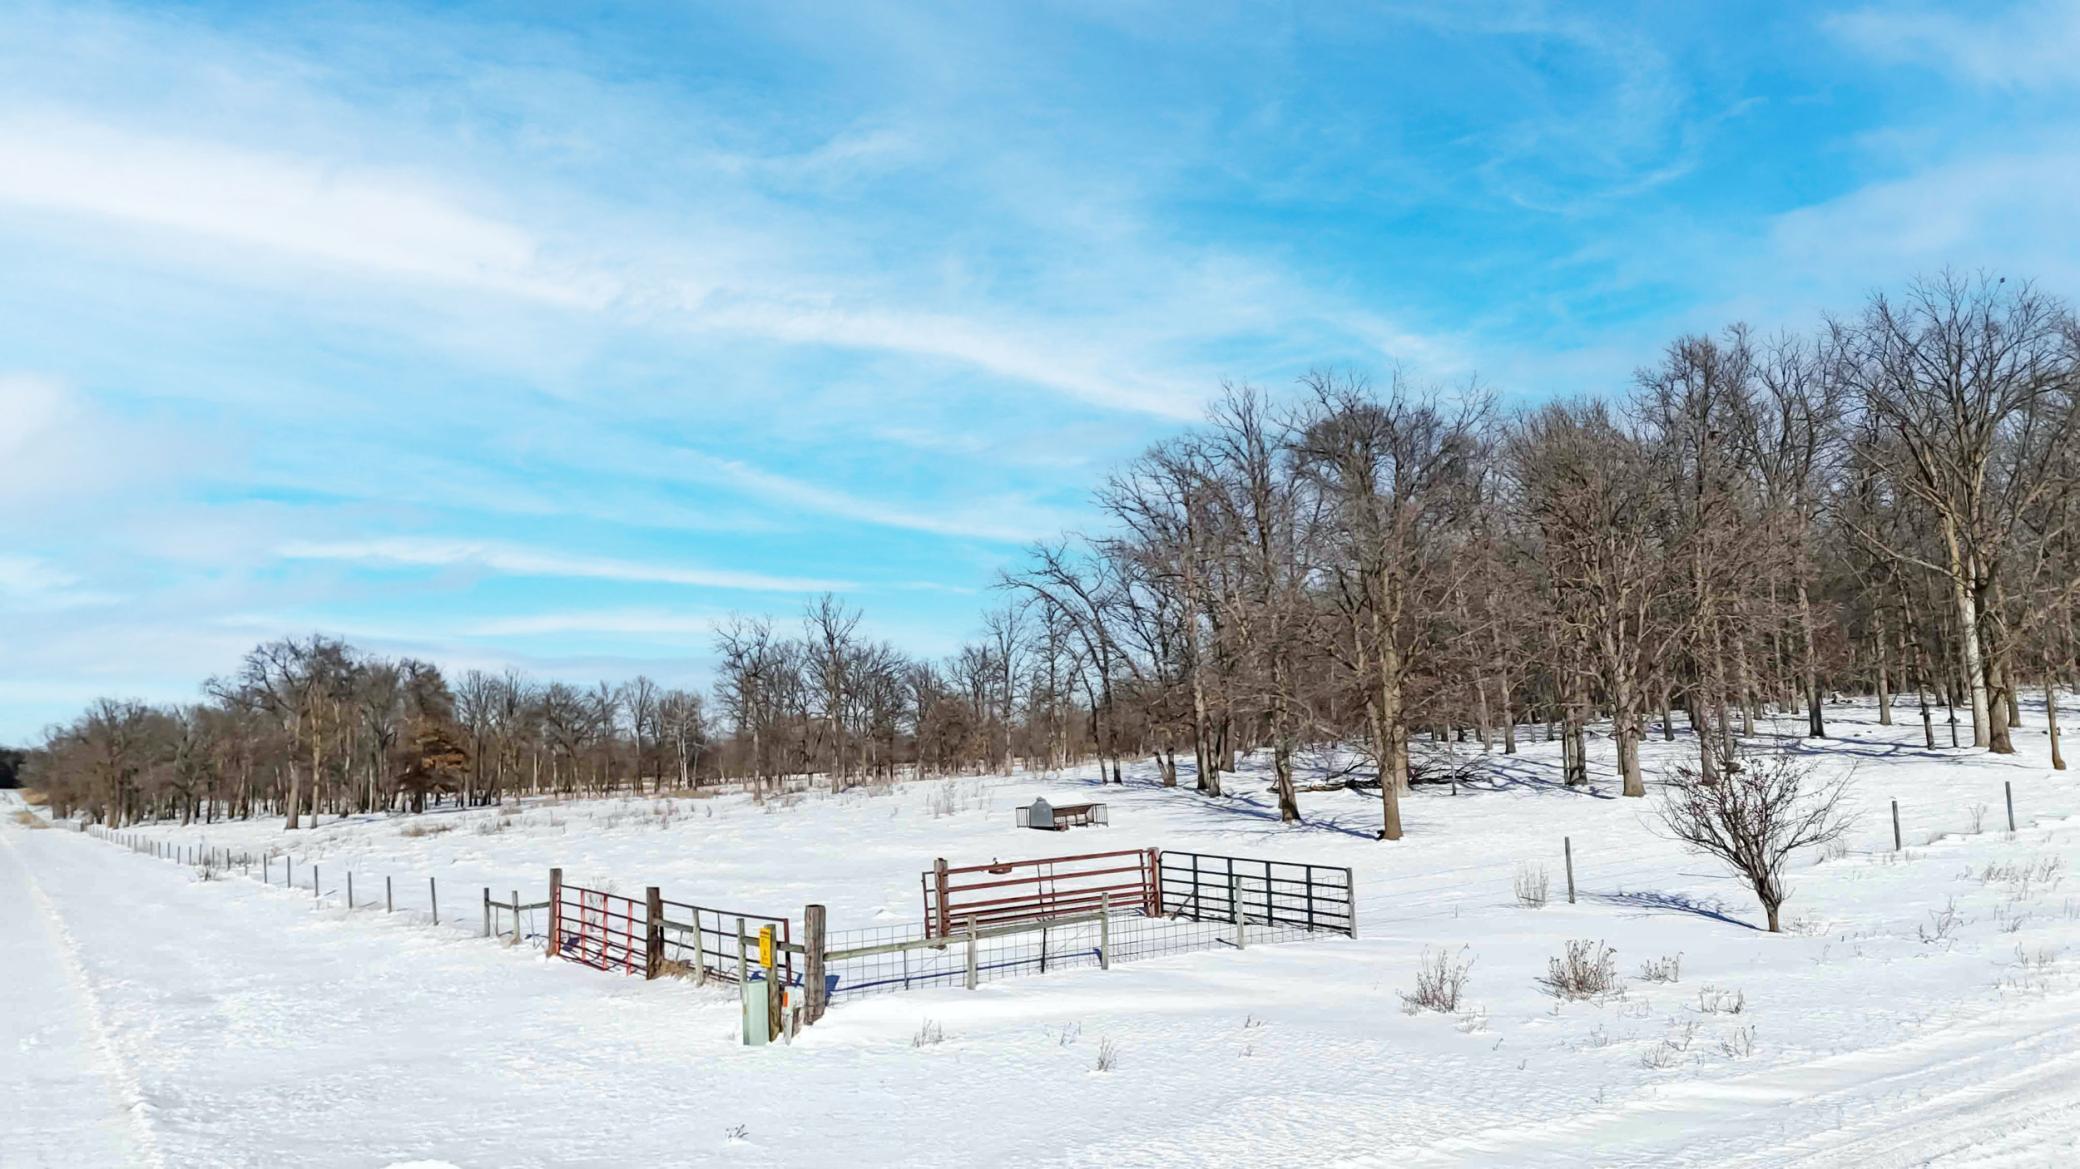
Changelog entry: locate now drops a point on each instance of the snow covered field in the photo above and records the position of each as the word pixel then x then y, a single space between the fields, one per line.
pixel 1924 1009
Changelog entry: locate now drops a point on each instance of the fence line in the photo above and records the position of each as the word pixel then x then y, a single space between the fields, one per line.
pixel 1056 914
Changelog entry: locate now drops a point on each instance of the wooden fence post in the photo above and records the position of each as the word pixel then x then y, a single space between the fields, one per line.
pixel 1567 850
pixel 972 972
pixel 487 911
pixel 516 917
pixel 743 974
pixel 2009 787
pixel 813 990
pixel 1895 826
pixel 653 932
pixel 1152 885
pixel 555 912
pixel 943 925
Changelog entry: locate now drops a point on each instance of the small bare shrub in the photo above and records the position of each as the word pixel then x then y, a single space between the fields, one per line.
pixel 1108 1055
pixel 1587 970
pixel 1532 886
pixel 1668 968
pixel 1713 1000
pixel 929 1034
pixel 1669 1052
pixel 1439 982
pixel 1738 1043
pixel 415 831
pixel 1942 925
pixel 1978 818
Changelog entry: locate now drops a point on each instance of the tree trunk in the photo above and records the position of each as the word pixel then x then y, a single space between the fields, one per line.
pixel 1383 741
pixel 1968 634
pixel 2058 761
pixel 1816 724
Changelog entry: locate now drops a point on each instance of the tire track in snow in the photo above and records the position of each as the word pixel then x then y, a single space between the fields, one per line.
pixel 116 1069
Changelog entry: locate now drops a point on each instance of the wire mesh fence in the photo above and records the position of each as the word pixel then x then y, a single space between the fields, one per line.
pixel 887 959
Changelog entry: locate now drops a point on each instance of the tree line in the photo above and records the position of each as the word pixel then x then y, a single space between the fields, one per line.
pixel 1881 504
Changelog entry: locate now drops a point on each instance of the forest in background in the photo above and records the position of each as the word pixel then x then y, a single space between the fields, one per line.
pixel 1883 504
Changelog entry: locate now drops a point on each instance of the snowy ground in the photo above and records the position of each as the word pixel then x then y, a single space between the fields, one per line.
pixel 152 1018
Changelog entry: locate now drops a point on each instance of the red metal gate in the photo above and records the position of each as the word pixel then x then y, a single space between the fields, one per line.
pixel 1002 892
pixel 603 930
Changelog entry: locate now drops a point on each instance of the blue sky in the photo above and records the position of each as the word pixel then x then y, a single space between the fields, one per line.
pixel 548 337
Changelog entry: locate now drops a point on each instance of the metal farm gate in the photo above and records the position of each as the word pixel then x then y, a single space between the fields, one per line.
pixel 709 941
pixel 608 931
pixel 1205 887
pixel 1007 892
pixel 605 931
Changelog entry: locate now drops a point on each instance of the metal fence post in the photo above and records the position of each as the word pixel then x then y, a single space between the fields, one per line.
pixel 1235 904
pixel 1895 826
pixel 1567 848
pixel 1104 931
pixel 389 902
pixel 516 917
pixel 653 932
pixel 350 888
pixel 2010 789
pixel 433 897
pixel 487 911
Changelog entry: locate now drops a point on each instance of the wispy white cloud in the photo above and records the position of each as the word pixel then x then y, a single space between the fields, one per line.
pixel 519 561
pixel 635 622
pixel 383 222
pixel 2034 44
pixel 1007 520
pixel 32 584
pixel 2009 210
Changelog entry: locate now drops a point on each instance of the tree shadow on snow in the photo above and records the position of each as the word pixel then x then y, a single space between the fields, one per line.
pixel 1656 902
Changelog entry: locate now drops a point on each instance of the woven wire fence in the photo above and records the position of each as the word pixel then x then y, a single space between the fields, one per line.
pixel 1038 948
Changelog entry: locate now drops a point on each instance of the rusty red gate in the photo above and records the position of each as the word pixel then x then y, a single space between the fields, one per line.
pixel 603 930
pixel 1003 892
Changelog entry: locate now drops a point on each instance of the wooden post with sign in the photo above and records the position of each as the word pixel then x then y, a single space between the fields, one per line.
pixel 774 996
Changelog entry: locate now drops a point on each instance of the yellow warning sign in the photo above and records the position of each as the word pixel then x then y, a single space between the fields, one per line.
pixel 765 946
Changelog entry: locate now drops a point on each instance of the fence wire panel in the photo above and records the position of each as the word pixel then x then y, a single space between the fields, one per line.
pixel 1206 887
pixel 1037 949
pixel 696 934
pixel 602 930
pixel 1032 951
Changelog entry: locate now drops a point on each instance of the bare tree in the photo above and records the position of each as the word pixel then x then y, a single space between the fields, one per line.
pixel 1753 816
